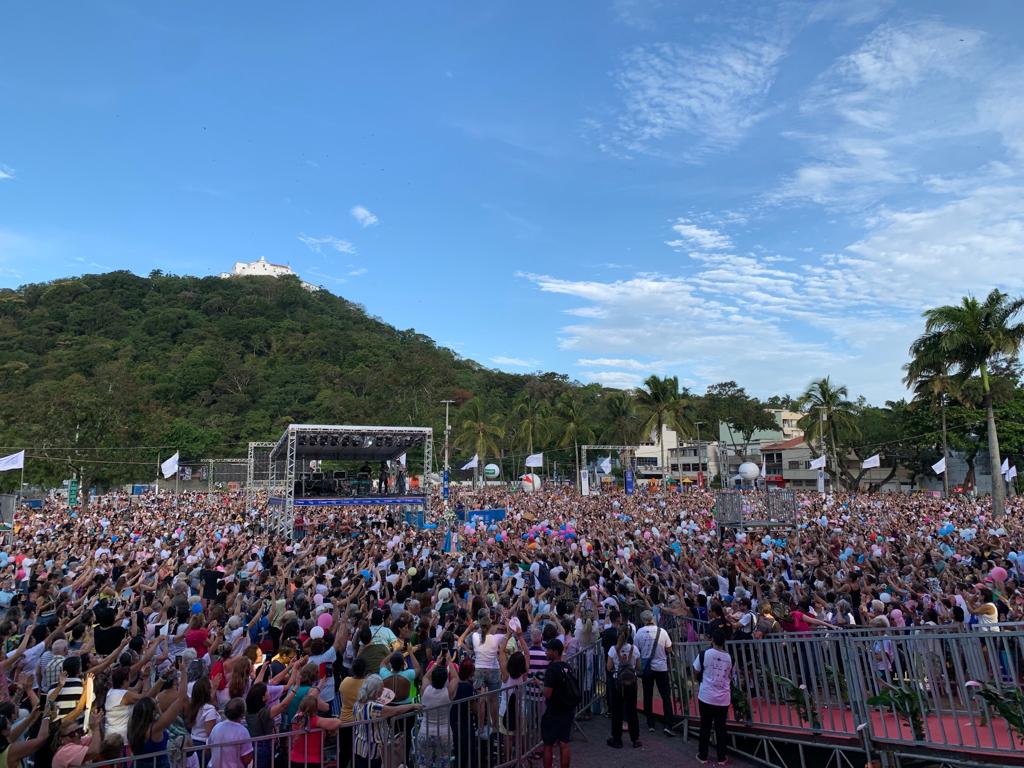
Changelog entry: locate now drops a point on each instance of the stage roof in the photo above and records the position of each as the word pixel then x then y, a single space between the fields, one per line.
pixel 347 442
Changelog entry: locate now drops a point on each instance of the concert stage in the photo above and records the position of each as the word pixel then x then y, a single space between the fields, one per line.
pixel 293 466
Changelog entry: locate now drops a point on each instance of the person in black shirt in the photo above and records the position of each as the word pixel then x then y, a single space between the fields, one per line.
pixel 107 635
pixel 556 722
pixel 209 576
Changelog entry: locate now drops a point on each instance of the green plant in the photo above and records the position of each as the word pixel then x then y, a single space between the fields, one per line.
pixel 906 702
pixel 800 698
pixel 839 678
pixel 740 704
pixel 1008 704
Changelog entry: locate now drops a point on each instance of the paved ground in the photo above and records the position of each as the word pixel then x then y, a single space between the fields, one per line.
pixel 658 751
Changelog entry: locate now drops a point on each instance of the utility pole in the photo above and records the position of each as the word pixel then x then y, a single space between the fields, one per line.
pixel 821 443
pixel 700 464
pixel 447 470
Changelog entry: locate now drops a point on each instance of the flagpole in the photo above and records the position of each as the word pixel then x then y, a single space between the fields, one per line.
pixel 158 474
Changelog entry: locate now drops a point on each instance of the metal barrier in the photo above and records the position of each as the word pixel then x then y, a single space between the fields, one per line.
pixel 930 693
pixel 439 737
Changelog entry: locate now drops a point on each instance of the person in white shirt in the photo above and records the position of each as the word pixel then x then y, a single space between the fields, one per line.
pixel 623 663
pixel 715 667
pixel 653 643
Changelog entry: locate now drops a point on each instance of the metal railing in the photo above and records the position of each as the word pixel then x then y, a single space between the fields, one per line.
pixel 911 691
pixel 467 732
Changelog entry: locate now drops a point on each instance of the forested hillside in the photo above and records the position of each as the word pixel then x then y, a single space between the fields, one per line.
pixel 104 362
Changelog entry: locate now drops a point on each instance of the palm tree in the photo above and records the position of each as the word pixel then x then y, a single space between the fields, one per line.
pixel 573 424
pixel 478 432
pixel 928 377
pixel 829 411
pixel 970 336
pixel 620 408
pixel 662 405
pixel 531 421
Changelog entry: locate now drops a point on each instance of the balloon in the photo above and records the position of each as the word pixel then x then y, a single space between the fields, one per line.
pixel 490 541
pixel 316 633
pixel 113 538
pixel 647 535
pixel 324 621
pixel 318 599
pixel 197 607
pixel 499 536
pixel 998 573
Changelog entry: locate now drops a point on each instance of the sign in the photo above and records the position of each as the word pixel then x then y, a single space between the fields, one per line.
pixel 700 479
pixel 367 501
pixel 444 484
pixel 821 481
pixel 73 493
pixel 585 482
pixel 627 480
pixel 486 516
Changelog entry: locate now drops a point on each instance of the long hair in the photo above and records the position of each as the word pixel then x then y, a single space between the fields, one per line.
pixel 239 678
pixel 145 712
pixel 625 636
pixel 370 689
pixel 202 694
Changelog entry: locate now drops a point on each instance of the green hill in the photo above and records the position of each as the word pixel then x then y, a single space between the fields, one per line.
pixel 93 365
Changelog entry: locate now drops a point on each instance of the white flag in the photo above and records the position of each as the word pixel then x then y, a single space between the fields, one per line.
pixel 606 465
pixel 939 466
pixel 871 462
pixel 818 463
pixel 535 460
pixel 401 459
pixel 472 463
pixel 764 469
pixel 1011 473
pixel 14 461
pixel 1005 466
pixel 170 467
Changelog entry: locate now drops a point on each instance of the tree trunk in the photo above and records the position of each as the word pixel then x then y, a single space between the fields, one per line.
pixel 998 486
pixel 835 455
pixel 661 444
pixel 945 452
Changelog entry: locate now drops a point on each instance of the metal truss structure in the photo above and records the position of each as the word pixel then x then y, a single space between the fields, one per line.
pixel 627 449
pixel 774 508
pixel 258 475
pixel 336 442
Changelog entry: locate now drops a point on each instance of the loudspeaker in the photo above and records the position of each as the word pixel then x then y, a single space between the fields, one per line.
pixel 8 503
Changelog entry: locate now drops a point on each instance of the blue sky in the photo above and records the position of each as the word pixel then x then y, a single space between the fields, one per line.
pixel 765 192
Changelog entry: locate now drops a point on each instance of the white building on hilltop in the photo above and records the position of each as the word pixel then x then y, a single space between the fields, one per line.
pixel 263 268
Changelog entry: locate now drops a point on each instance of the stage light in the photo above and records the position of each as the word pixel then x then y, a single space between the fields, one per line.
pixel 369 442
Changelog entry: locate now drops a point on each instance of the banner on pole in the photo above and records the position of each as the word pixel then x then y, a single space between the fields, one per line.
pixel 444 484
pixel 628 482
pixel 821 481
pixel 585 482
pixel 14 461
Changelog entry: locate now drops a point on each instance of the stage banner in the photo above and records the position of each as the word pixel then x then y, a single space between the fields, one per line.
pixel 627 481
pixel 585 482
pixel 486 516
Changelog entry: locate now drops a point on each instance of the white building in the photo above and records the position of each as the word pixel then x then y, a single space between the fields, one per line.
pixel 263 268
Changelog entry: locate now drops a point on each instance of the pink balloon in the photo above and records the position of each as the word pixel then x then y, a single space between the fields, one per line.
pixel 324 621
pixel 490 541
pixel 998 573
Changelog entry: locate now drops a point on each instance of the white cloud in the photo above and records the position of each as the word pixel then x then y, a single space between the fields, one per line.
pixel 614 362
pixel 709 96
pixel 317 244
pixel 364 216
pixel 614 379
pixel 357 271
pixel 6 173
pixel 701 237
pixel 514 362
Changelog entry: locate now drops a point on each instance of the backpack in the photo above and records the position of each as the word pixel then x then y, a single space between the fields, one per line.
pixel 544 575
pixel 626 677
pixel 766 625
pixel 569 693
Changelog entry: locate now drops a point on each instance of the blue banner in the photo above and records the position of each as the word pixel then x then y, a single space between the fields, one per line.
pixel 444 484
pixel 415 519
pixel 482 515
pixel 358 501
pixel 627 481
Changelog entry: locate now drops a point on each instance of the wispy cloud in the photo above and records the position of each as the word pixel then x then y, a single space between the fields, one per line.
pixel 317 244
pixel 6 173
pixel 358 271
pixel 694 235
pixel 364 216
pixel 709 97
pixel 514 362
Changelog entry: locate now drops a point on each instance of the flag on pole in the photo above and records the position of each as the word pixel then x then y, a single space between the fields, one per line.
pixel 871 462
pixel 170 467
pixel 939 466
pixel 14 461
pixel 535 460
pixel 401 459
pixel 818 463
pixel 472 463
pixel 606 465
pixel 1005 466
pixel 764 468
pixel 1011 473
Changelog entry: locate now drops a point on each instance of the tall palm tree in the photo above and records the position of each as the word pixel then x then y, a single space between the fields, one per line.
pixel 661 405
pixel 828 412
pixel 573 425
pixel 927 374
pixel 970 336
pixel 531 421
pixel 478 432
pixel 620 408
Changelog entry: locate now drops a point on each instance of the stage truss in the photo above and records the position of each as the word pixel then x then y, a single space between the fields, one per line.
pixel 773 508
pixel 258 477
pixel 340 442
pixel 629 450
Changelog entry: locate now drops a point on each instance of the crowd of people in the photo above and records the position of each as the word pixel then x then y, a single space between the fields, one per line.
pixel 142 625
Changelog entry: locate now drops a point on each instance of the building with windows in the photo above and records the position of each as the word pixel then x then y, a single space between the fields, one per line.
pixel 263 268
